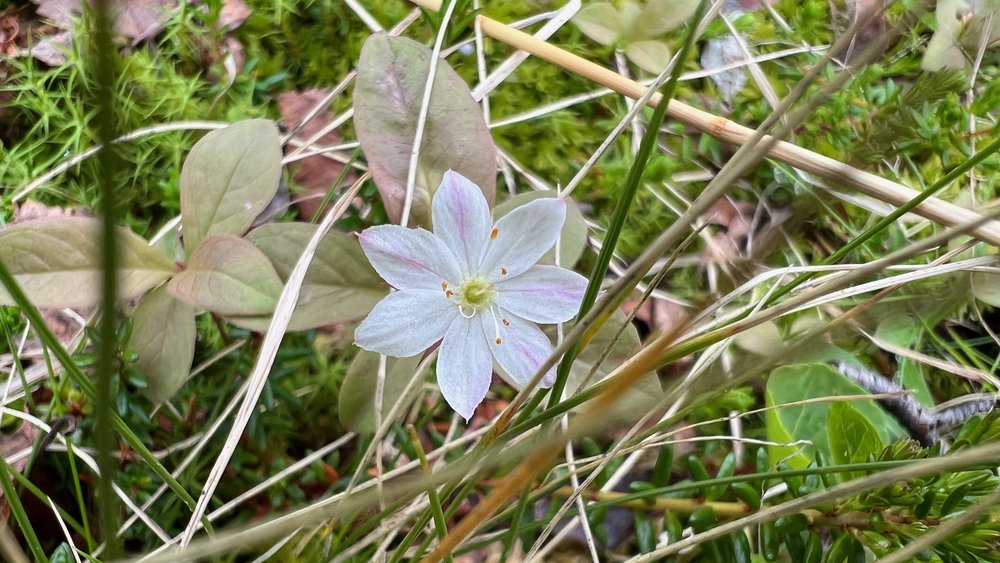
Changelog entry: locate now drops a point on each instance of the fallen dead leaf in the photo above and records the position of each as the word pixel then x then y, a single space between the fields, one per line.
pixel 134 19
pixel 233 14
pixel 316 174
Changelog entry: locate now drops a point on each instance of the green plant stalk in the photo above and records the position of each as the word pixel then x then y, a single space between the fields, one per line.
pixel 17 509
pixel 73 371
pixel 440 524
pixel 515 520
pixel 103 55
pixel 884 222
pixel 624 203
pixel 80 502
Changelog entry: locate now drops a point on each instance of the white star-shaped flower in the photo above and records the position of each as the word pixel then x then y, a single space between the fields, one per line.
pixel 474 285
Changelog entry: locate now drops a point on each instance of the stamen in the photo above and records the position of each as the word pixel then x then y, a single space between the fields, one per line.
pixel 503 271
pixel 449 293
pixel 496 327
pixel 494 234
pixel 461 311
pixel 444 285
pixel 505 322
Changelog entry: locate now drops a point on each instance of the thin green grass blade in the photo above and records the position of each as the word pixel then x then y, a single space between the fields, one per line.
pixel 17 509
pixel 624 204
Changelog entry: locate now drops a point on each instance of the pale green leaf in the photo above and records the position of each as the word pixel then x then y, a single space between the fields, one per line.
pixel 660 16
pixel 228 178
pixel 786 424
pixel 986 288
pixel 599 21
pixel 392 76
pixel 899 329
pixel 650 55
pixel 229 276
pixel 163 336
pixel 573 237
pixel 357 394
pixel 340 284
pixel 57 262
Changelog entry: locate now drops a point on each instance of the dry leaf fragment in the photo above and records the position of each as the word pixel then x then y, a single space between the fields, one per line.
pixel 233 14
pixel 134 19
pixel 316 173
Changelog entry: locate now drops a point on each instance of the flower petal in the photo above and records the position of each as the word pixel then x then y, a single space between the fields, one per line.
pixel 406 323
pixel 464 367
pixel 522 237
pixel 409 258
pixel 543 294
pixel 462 219
pixel 522 349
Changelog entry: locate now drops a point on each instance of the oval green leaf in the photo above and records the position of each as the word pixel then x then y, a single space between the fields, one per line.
pixel 599 21
pixel 573 237
pixel 163 336
pixel 357 395
pixel 651 55
pixel 786 424
pixel 229 276
pixel 340 284
pixel 852 437
pixel 392 75
pixel 228 178
pixel 57 262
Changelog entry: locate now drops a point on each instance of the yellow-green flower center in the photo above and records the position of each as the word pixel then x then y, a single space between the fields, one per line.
pixel 475 294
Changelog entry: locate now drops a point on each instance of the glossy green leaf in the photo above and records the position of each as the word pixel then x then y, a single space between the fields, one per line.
pixel 852 437
pixel 392 76
pixel 599 21
pixel 228 178
pixel 229 276
pixel 163 336
pixel 573 237
pixel 340 284
pixel 357 395
pixel 57 262
pixel 789 384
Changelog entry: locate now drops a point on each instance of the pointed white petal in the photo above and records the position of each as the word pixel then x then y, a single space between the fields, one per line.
pixel 409 258
pixel 543 294
pixel 464 366
pixel 522 237
pixel 523 347
pixel 462 219
pixel 406 323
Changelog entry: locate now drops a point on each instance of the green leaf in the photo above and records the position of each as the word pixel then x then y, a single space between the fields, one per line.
pixel 986 287
pixel 641 396
pixel 228 178
pixel 852 437
pixel 163 336
pixel 789 384
pixel 340 284
pixel 660 16
pixel 357 395
pixel 573 239
pixel 911 378
pixel 650 55
pixel 57 262
pixel 392 76
pixel 599 21
pixel 229 276
pixel 899 329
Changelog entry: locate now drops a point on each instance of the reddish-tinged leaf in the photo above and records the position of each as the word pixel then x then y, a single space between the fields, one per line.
pixel 163 335
pixel 392 75
pixel 229 276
